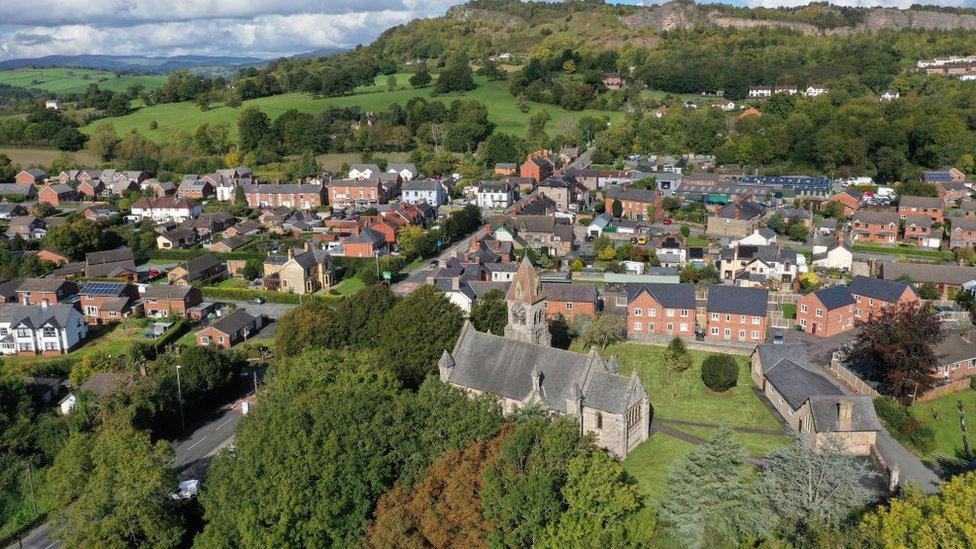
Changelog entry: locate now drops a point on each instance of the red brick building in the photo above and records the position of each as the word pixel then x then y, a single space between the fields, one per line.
pixel 301 196
pixel 736 313
pixel 229 330
pixel 56 194
pixel 826 312
pixel 32 176
pixel 568 300
pixel 106 302
pixel 667 309
pixel 353 192
pixel 634 203
pixel 162 301
pixel 45 291
pixel 537 168
pixel 875 226
pixel 849 199
pixel 921 205
pixel 873 295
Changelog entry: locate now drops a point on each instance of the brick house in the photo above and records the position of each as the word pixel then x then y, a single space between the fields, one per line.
pixel 229 330
pixel 365 244
pixel 106 302
pixel 570 300
pixel 304 196
pixel 968 207
pixel 921 205
pixel 56 194
pixel 947 174
pixel 918 229
pixel 634 202
pixel 45 291
pixel 950 191
pixel 537 168
pixel 158 188
pixel 875 226
pixel 873 295
pixel 947 278
pixel 357 192
pixel 32 176
pixel 667 309
pixel 613 81
pixel 162 301
pixel 203 268
pixel 826 312
pixel 849 199
pixel 91 188
pixel 736 314
pixel 963 232
pixel 196 189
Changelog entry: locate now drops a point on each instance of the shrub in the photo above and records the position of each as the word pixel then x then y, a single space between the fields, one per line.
pixel 719 372
pixel 972 383
pixel 901 422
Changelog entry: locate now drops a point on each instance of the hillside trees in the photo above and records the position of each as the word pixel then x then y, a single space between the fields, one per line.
pixel 456 77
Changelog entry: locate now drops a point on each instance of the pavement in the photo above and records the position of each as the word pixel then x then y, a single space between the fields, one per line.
pixel 273 311
pixel 194 453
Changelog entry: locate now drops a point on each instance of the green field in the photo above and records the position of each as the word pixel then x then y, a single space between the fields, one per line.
pixel 909 252
pixel 68 80
pixel 187 116
pixel 334 161
pixel 943 417
pixel 28 157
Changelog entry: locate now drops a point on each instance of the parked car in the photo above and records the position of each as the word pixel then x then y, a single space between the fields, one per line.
pixel 257 300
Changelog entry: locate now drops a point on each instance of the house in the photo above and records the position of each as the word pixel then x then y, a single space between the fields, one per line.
pixel 560 189
pixel 521 369
pixel 99 384
pixel 157 188
pixel 670 250
pixel 31 176
pixel 537 168
pixel 918 231
pixel 875 226
pixel 660 309
pixel 539 232
pixel 950 191
pixel 745 210
pixel 760 265
pixel 796 215
pixel 245 228
pixel 945 277
pixel 760 237
pixel 305 196
pixel 117 263
pixel 28 227
pixel 366 244
pixel 229 330
pixel 106 302
pixel 921 205
pixel 161 210
pixel 45 292
pixel 872 296
pixel 161 300
pixel 947 174
pixel 462 282
pixel 956 356
pixel 28 330
pixel 636 204
pixel 90 189
pixel 13 192
pixel 850 200
pixel 495 195
pixel 231 243
pixel 815 90
pixel 813 407
pixel 210 223
pixel 8 290
pixel 54 257
pixel 357 192
pixel 122 185
pixel 364 171
pixel 569 300
pixel 176 239
pixel 613 81
pixel 832 255
pixel 196 189
pixel 56 194
pixel 300 271
pixel 736 313
pixel 226 181
pixel 428 191
pixel 826 312
pixel 963 232
pixel 9 210
pixel 95 212
pixel 201 269
pixel 890 96
pixel 757 92
pixel 406 170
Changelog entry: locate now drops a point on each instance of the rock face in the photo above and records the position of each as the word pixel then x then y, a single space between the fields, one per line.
pixel 887 18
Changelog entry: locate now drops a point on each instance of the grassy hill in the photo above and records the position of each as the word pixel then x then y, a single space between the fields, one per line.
pixel 66 80
pixel 502 108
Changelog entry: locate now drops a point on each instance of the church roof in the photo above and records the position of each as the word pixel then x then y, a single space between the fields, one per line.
pixel 526 287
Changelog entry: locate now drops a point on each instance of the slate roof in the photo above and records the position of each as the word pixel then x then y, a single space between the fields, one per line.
pixel 35 316
pixel 875 288
pixel 102 383
pixel 637 195
pixel 200 264
pixel 787 367
pixel 232 323
pixel 967 224
pixel 289 188
pixel 834 297
pixel 921 202
pixel 922 221
pixel 924 273
pixel 367 236
pixel 825 413
pixel 109 262
pixel 560 291
pixel 955 349
pixel 670 296
pixel 876 218
pixel 421 185
pixel 737 300
pixel 166 292
pixel 741 210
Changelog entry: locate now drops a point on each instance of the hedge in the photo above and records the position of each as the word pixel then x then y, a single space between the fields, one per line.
pixel 903 424
pixel 184 255
pixel 180 327
pixel 243 294
pixel 720 372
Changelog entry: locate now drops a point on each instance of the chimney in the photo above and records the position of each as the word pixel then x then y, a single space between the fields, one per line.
pixel 456 283
pixel 291 252
pixel 845 409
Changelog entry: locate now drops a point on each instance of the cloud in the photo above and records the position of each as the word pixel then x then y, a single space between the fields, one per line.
pixel 34 28
pixel 900 4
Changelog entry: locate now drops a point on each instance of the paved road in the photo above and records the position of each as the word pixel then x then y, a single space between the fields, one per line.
pixel 273 311
pixel 193 455
pixel 419 274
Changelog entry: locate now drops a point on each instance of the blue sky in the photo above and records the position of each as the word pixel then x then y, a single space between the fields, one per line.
pixel 262 28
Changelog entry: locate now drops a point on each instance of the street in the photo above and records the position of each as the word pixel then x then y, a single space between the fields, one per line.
pixel 193 455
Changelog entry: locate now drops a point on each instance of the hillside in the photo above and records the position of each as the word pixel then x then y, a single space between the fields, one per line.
pixel 201 64
pixel 73 80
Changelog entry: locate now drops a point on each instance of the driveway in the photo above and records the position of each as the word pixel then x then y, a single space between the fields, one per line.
pixel 273 311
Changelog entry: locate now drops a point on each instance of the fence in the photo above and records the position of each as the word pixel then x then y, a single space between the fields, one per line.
pixel 725 347
pixel 849 378
pixel 952 387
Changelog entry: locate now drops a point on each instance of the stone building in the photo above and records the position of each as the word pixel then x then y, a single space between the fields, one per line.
pixel 521 370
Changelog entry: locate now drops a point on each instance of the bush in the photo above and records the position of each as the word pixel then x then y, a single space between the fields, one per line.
pixel 972 383
pixel 719 372
pixel 901 422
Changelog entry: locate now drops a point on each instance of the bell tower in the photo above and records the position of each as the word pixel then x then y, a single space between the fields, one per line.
pixel 527 301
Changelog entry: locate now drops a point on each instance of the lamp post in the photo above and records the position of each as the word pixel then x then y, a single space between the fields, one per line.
pixel 179 396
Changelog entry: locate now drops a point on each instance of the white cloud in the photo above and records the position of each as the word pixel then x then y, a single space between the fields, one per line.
pixel 900 4
pixel 34 28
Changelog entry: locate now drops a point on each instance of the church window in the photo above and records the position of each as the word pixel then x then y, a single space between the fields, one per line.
pixel 599 420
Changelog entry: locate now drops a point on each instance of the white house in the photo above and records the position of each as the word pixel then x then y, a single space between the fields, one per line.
pixel 406 170
pixel 890 96
pixel 759 237
pixel 364 171
pixel 492 195
pixel 166 209
pixel 756 92
pixel 428 191
pixel 814 90
pixel 834 256
pixel 31 329
pixel 53 104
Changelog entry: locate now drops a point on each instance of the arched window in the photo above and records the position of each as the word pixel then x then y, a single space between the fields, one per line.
pixel 599 420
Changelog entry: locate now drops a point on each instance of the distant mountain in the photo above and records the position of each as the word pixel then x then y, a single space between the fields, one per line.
pixel 202 64
pixel 321 52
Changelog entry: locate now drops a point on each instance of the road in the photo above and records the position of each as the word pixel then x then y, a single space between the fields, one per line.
pixel 193 455
pixel 419 274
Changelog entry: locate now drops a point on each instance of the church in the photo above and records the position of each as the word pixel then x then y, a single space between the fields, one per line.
pixel 523 369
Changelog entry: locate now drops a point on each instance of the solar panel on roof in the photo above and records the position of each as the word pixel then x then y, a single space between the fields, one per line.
pixel 102 288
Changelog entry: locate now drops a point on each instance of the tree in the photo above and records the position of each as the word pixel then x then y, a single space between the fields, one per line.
pixel 414 242
pixel 76 238
pixel 455 77
pixel 605 329
pixel 616 208
pixel 253 128
pixel 252 267
pixel 112 489
pixel 709 501
pixel 422 78
pixel 900 347
pixel 419 328
pixel 719 372
pixel 490 313
pixel 391 82
pixel 64 162
pixel 361 316
pixel 311 324
pixel 90 365
pixel 498 148
pixel 103 142
pixel 916 520
pixel 306 166
pixel 8 170
pixel 118 105
pixel 69 139
pixel 676 357
pixel 204 370
pixel 815 486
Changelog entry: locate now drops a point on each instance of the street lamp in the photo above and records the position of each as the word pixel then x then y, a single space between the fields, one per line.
pixel 179 396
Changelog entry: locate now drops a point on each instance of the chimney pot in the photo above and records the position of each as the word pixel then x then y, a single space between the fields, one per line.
pixel 845 412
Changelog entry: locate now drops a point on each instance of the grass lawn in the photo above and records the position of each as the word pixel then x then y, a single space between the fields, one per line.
pixel 789 310
pixel 28 157
pixel 904 251
pixel 501 105
pixel 649 464
pixel 697 241
pixel 334 161
pixel 69 80
pixel 943 417
pixel 349 286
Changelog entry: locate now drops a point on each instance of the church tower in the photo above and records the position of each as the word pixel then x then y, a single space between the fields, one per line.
pixel 527 301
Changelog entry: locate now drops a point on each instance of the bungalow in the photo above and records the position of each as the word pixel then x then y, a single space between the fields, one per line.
pixel 229 330
pixel 97 212
pixel 203 268
pixel 956 356
pixel 569 301
pixel 31 176
pixel 746 210
pixel 10 210
pixel 106 302
pixel 963 232
pixel 99 384
pixel 117 263
pixel 660 309
pixel 13 192
pixel 231 243
pixel 736 313
pixel 176 239
pixel 56 194
pixel 946 278
pixel 872 296
pixel 875 226
pixel 921 205
pixel 245 228
pixel 28 330
pixel 945 175
pixel 826 312
pixel 162 301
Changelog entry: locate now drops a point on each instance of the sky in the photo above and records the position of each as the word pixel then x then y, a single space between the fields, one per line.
pixel 258 28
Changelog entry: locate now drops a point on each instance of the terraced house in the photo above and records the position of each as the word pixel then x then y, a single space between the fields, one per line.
pixel 963 232
pixel 826 312
pixel 660 309
pixel 875 226
pixel 736 314
pixel 873 295
pixel 305 196
pixel 921 205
